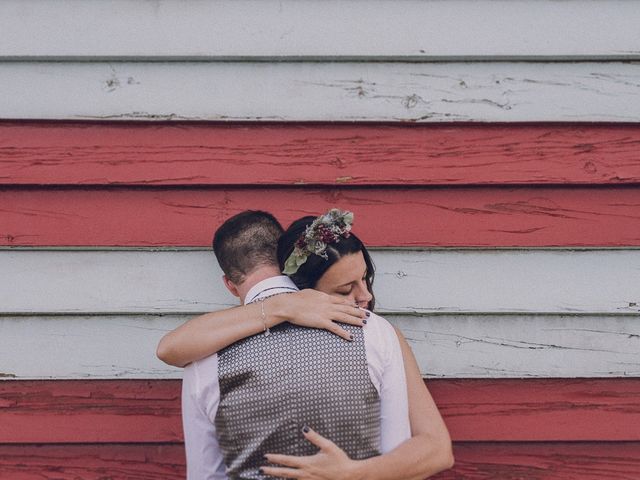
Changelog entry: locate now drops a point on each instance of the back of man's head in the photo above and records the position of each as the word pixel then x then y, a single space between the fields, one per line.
pixel 245 242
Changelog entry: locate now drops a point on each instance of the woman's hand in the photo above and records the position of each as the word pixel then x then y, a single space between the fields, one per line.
pixel 311 308
pixel 330 463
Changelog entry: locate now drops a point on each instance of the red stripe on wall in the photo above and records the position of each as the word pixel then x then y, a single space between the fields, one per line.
pixel 435 217
pixel 92 462
pixel 473 461
pixel 148 411
pixel 544 461
pixel 72 153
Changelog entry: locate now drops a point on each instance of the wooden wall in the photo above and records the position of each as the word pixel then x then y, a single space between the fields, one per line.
pixel 489 150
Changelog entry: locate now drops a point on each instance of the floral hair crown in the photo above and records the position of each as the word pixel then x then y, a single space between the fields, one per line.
pixel 325 229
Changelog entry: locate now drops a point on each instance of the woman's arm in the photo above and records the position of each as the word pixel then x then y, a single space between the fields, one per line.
pixel 211 332
pixel 429 449
pixel 426 453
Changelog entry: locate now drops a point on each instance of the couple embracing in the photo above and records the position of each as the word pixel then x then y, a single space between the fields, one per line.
pixel 302 380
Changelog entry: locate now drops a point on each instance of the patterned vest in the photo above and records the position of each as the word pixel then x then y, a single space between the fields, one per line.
pixel 273 385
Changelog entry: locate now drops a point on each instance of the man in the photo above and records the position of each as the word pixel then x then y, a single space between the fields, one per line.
pixel 256 396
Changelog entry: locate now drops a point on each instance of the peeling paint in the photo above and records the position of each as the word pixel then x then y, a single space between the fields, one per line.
pixel 400 274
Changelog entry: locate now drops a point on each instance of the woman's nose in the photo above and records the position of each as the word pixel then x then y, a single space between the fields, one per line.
pixel 362 293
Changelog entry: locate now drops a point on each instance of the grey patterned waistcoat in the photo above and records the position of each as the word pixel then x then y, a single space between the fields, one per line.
pixel 273 385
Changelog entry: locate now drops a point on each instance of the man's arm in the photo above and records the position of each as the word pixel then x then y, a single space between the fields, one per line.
pixel 204 457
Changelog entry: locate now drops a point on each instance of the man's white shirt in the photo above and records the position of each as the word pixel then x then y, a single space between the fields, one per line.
pixel 201 392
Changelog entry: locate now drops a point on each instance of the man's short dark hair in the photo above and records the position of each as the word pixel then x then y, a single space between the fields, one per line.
pixel 246 241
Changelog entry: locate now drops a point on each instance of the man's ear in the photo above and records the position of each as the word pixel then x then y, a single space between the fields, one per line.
pixel 230 286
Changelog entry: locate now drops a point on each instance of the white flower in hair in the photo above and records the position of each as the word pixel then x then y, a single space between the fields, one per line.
pixel 325 229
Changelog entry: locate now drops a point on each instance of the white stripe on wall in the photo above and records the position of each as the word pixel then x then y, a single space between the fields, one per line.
pixel 418 92
pixel 455 346
pixel 421 30
pixel 523 281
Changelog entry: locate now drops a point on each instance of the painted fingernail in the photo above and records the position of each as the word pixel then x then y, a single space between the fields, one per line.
pixel 305 429
pixel 368 314
pixel 261 471
pixel 351 336
pixel 364 321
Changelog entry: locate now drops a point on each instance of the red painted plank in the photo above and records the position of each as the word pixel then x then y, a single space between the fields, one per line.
pixel 92 462
pixel 474 461
pixel 97 411
pixel 328 154
pixel 544 461
pixel 90 411
pixel 434 217
pixel 539 409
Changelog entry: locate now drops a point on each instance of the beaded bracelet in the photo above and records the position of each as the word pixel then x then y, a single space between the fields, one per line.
pixel 264 317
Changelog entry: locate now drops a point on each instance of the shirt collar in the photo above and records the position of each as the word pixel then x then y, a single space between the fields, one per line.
pixel 270 286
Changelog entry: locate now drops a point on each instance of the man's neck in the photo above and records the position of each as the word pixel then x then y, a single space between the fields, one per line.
pixel 257 275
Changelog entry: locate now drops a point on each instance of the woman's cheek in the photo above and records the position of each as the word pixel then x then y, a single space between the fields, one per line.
pixel 350 296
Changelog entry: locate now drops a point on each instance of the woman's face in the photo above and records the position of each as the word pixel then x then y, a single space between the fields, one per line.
pixel 347 279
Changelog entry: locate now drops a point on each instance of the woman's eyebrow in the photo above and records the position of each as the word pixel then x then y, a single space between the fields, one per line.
pixel 345 284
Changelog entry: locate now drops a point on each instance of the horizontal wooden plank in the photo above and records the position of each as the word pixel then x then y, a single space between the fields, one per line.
pixel 100 411
pixel 87 153
pixel 544 461
pixel 92 462
pixel 451 346
pixel 79 347
pixel 538 409
pixel 323 91
pixel 516 281
pixel 421 217
pixel 473 461
pixel 95 411
pixel 524 345
pixel 227 29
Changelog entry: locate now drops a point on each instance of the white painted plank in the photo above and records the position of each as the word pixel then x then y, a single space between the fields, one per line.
pixel 425 281
pixel 524 345
pixel 417 30
pixel 84 346
pixel 455 346
pixel 442 92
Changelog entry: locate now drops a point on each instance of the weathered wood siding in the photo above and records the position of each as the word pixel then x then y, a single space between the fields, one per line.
pixel 468 313
pixel 323 91
pixel 489 150
pixel 445 345
pixel 225 29
pixel 420 217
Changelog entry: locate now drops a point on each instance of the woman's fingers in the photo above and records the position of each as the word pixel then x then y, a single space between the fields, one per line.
pixel 351 315
pixel 339 331
pixel 286 460
pixel 282 472
pixel 318 440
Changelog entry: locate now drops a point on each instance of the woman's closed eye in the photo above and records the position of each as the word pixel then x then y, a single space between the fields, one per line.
pixel 348 291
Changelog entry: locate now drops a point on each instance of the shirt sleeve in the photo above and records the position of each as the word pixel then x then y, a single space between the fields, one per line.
pixel 394 401
pixel 204 457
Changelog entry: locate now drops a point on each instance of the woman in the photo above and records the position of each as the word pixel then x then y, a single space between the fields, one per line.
pixel 326 256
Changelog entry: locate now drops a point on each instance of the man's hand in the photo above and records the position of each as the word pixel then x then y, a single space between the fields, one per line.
pixel 330 463
pixel 311 308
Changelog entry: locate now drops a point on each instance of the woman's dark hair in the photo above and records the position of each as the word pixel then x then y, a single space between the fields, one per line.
pixel 310 271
